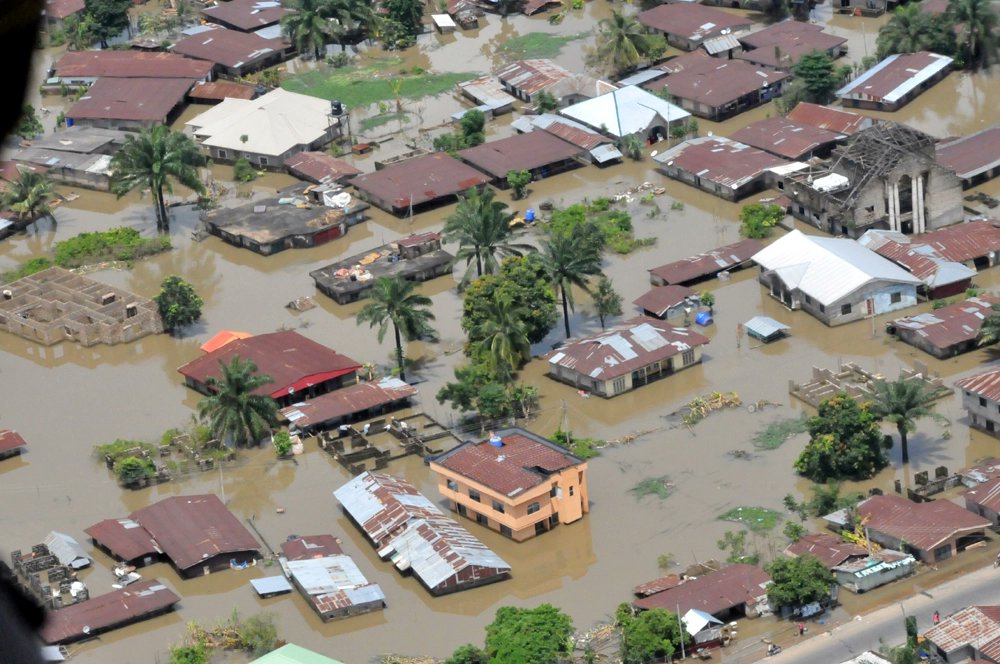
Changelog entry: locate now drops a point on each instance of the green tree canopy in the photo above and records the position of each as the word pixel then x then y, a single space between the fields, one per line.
pixel 902 402
pixel 468 654
pixel 178 303
pixel 989 331
pixel 519 181
pixel 473 126
pixel 481 227
pixel 308 26
pixel 797 581
pixel 607 301
pixel 523 283
pixel 109 18
pixel 757 219
pixel 477 389
pixel 569 264
pixel 648 636
pixel 407 13
pixel 394 302
pixel 502 339
pixel 517 636
pixel 818 75
pixel 29 196
pixel 910 29
pixel 845 442
pixel 235 413
pixel 29 125
pixel 621 44
pixel 978 27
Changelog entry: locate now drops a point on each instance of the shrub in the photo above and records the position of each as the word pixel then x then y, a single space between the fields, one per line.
pixel 133 469
pixel 243 171
pixel 282 444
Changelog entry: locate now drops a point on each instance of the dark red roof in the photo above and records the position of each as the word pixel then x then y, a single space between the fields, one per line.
pixel 971 155
pixel 345 401
pixel 306 547
pixel 710 262
pixel 831 119
pixel 124 538
pixel 320 167
pixel 229 48
pixel 9 170
pixel 659 299
pixel 657 585
pixel 105 612
pixel 519 152
pixel 60 9
pixel 962 242
pixel 789 39
pixel 219 90
pixel 191 529
pixel 692 21
pixel 716 82
pixel 713 593
pixel 830 549
pixel 886 81
pixel 719 160
pixel 140 99
pixel 129 64
pixel 245 15
pixel 292 360
pixel 694 60
pixel 786 138
pixel 951 325
pixel 420 180
pixel 10 440
pixel 581 138
pixel 523 461
pixel 921 525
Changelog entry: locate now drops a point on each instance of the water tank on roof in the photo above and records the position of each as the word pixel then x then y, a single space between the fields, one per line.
pixel 336 108
pixel 496 441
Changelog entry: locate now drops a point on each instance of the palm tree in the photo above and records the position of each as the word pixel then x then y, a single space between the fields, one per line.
pixel 29 196
pixel 236 413
pixel 481 227
pixel 908 31
pixel 393 301
pixel 503 338
pixel 979 23
pixel 154 159
pixel 568 263
pixel 902 402
pixel 307 26
pixel 622 43
pixel 989 331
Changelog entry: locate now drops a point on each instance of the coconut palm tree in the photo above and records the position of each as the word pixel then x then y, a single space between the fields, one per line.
pixel 308 26
pixel 989 331
pixel 907 31
pixel 154 159
pixel 29 196
pixel 481 227
pixel 621 43
pixel 902 402
pixel 503 338
pixel 979 23
pixel 394 302
pixel 237 414
pixel 569 263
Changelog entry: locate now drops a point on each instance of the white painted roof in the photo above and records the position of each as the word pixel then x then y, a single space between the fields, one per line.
pixel 827 269
pixel 624 111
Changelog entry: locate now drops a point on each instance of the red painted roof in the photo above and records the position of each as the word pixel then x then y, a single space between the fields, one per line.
pixel 707 263
pixel 985 384
pixel 791 39
pixel 519 152
pixel 886 81
pixel 229 48
pixel 692 21
pixel 345 401
pixel 141 99
pixel 831 119
pixel 10 440
pixel 292 360
pixel 713 593
pixel 786 138
pixel 420 180
pixel 830 549
pixel 129 64
pixel 219 90
pixel 659 299
pixel 190 529
pixel 124 538
pixel 531 76
pixel 971 155
pixel 581 138
pixel 105 612
pixel 921 525
pixel 524 461
pixel 306 547
pixel 320 167
pixel 716 82
pixel 245 15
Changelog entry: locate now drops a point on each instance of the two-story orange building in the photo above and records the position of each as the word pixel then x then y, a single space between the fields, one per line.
pixel 515 482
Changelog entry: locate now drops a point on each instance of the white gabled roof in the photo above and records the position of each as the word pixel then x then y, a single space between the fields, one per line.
pixel 827 269
pixel 624 111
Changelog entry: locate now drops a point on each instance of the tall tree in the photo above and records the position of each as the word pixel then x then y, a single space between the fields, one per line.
pixel 109 18
pixel 989 331
pixel 818 75
pixel 234 412
pixel 649 636
pixel 621 43
pixel 539 635
pixel 79 32
pixel 978 23
pixel 908 30
pixel 408 13
pixel 902 402
pixel 393 302
pixel 568 264
pixel 524 283
pixel 154 159
pixel 29 196
pixel 607 301
pixel 178 303
pixel 798 581
pixel 481 227
pixel 845 442
pixel 503 338
pixel 308 26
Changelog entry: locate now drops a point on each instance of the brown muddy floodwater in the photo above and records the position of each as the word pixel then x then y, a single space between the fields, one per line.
pixel 66 399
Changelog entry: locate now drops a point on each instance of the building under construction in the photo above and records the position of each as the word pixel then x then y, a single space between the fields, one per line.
pixel 57 305
pixel 886 177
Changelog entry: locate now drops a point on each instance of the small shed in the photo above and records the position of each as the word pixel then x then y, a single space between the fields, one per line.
pixel 665 301
pixel 271 586
pixel 443 23
pixel 67 550
pixel 765 329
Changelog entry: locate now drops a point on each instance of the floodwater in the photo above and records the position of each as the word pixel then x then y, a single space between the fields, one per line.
pixel 66 399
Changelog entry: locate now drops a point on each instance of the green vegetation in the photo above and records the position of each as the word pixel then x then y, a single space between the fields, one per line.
pixel 759 519
pixel 282 444
pixel 845 442
pixel 468 654
pixel 665 560
pixel 536 45
pixel 793 531
pixel 131 470
pixel 736 545
pixel 797 581
pixel 621 44
pixel 660 487
pixel 29 125
pixel 117 244
pixel 29 196
pixel 989 331
pixel 649 636
pixel 394 302
pixel 178 303
pixel 243 171
pixel 903 402
pixel 478 390
pixel 235 415
pixel 108 18
pixel 540 635
pixel 818 77
pixel 826 498
pixel 966 31
pixel 519 181
pixel 193 654
pixel 470 134
pixel 256 635
pixel 757 219
pixel 382 119
pixel 365 85
pixel 775 434
pixel 523 283
pixel 481 226
pixel 599 228
pixel 707 299
pixel 585 448
pixel 26 269
pixel 607 301
pixel 122 447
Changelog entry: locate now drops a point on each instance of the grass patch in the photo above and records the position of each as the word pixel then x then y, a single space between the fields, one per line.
pixel 117 244
pixel 776 433
pixel 26 269
pixel 653 486
pixel 382 119
pixel 363 86
pixel 756 518
pixel 537 45
pixel 585 448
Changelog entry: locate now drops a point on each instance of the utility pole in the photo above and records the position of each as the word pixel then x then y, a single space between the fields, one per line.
pixel 681 623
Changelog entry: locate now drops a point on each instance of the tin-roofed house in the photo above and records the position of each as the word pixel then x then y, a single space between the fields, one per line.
pixel 329 580
pixel 981 400
pixel 129 104
pixel 974 158
pixel 515 482
pixel 541 154
pixel 688 25
pixel 418 184
pixel 941 277
pixel 948 331
pixel 788 138
pixel 720 166
pixel 896 81
pixel 706 265
pixel 783 44
pixel 832 119
pixel 625 356
pixel 628 110
pixel 971 633
pixel 11 443
pixel 408 529
pixel 731 592
pixel 984 500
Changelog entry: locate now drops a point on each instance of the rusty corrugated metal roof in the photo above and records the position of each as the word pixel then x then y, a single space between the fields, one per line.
pixel 105 612
pixel 692 21
pixel 346 401
pixel 519 152
pixel 972 155
pixel 720 160
pixel 659 299
pixel 921 525
pixel 976 626
pixel 985 384
pixel 420 180
pixel 10 440
pixel 707 263
pixel 831 119
pixel 713 593
pixel 130 64
pixel 830 549
pixel 895 77
pixel 786 138
pixel 531 76
pixel 951 325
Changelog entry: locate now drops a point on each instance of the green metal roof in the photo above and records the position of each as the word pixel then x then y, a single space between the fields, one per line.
pixel 293 654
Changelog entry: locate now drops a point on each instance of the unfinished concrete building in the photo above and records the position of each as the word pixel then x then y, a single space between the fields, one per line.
pixel 57 305
pixel 886 177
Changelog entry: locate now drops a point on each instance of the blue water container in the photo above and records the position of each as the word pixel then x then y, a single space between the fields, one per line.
pixel 703 319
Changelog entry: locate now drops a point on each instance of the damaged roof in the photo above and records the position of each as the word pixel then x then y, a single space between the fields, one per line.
pixel 347 401
pixel 985 384
pixel 707 263
pixel 713 593
pixel 954 324
pixel 720 160
pixel 785 138
pixel 832 119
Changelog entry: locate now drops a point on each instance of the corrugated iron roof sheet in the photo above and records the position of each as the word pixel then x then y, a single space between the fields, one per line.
pixel 659 299
pixel 139 99
pixel 713 593
pixel 719 160
pixel 320 167
pixel 104 612
pixel 246 15
pixel 532 76
pixel 310 546
pixel 951 325
pixel 985 384
pixel 124 538
pixel 972 155
pixel 67 550
pixel 764 326
pixel 347 401
pixel 716 82
pixel 962 242
pixel 783 44
pixel 692 21
pixel 10 440
pixel 624 111
pixel 832 119
pixel 230 48
pixel 829 548
pixel 130 64
pixel 895 77
pixel 519 152
pixel 986 494
pixel 786 138
pixel 420 180
pixel 975 626
pixel 921 525
pixel 707 263
pixel 271 585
